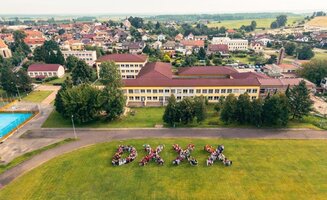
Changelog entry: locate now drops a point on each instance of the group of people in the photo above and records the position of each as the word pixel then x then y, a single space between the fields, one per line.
pixel 217 154
pixel 153 154
pixel 117 158
pixel 184 154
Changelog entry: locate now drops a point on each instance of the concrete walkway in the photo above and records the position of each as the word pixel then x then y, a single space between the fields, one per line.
pixel 89 137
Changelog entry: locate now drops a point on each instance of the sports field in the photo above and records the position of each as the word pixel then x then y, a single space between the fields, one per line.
pixel 262 169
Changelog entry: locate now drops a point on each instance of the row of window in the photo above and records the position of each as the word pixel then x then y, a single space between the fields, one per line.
pixel 128 77
pixel 43 73
pixel 130 65
pixel 192 91
pixel 138 98
pixel 129 71
pixel 72 54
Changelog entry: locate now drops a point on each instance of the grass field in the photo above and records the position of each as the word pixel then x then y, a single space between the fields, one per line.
pixel 321 55
pixel 261 23
pixel 262 169
pixel 37 96
pixel 318 21
pixel 58 80
pixel 148 117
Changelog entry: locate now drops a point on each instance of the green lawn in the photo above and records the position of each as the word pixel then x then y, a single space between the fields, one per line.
pixel 58 80
pixel 262 169
pixel 261 23
pixel 37 96
pixel 321 55
pixel 148 117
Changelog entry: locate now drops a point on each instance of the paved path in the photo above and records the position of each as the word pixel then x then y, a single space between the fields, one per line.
pixel 90 136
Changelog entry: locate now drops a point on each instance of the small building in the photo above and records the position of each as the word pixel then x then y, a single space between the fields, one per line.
pixel 218 48
pixel 161 37
pixel 179 37
pixel 189 37
pixel 256 47
pixel 4 50
pixel 45 70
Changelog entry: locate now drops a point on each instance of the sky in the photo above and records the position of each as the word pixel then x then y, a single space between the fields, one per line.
pixel 157 6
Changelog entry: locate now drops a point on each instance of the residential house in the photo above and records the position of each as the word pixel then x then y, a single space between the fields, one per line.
pixel 88 56
pixel 156 45
pixel 169 47
pixel 193 44
pixel 189 37
pixel 201 37
pixel 256 47
pixel 179 37
pixel 218 48
pixel 233 44
pixel 34 38
pixel 161 37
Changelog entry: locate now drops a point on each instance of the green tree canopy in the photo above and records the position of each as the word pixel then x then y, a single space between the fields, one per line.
pixel 299 100
pixel 314 71
pixel 82 73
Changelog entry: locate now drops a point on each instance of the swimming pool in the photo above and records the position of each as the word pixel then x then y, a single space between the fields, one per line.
pixel 9 121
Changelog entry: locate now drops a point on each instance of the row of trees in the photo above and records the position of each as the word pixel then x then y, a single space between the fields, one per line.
pixel 87 103
pixel 274 110
pixel 302 52
pixel 280 21
pixel 185 111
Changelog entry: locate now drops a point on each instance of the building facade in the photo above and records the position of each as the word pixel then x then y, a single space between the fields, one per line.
pixel 129 64
pixel 233 44
pixel 88 56
pixel 5 52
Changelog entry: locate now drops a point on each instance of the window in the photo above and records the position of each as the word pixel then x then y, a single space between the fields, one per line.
pixel 210 98
pixel 229 91
pixel 204 91
pixel 210 91
pixel 236 91
pixel 191 91
pixel 184 91
pixel 179 98
pixel 254 90
pixel 248 90
pixel 122 65
pixel 216 98
pixel 253 98
pixel 131 98
pixel 142 91
pixel 137 91
pixel 160 91
pixel 223 91
pixel 160 99
pixel 166 98
pixel 148 98
pixel 127 66
pixel 137 98
pixel 166 90
pixel 130 91
pixel 131 65
pixel 154 91
pixel 198 91
pixel 173 91
pixel 217 91
pixel 242 91
pixel 148 91
pixel 155 98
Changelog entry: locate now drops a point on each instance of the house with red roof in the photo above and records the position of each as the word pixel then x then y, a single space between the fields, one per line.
pixel 5 52
pixel 34 38
pixel 45 70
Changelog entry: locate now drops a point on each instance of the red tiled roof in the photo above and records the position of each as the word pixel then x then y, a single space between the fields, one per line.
pixel 218 47
pixel 43 67
pixel 283 82
pixel 206 70
pixel 193 43
pixel 3 44
pixel 245 75
pixel 159 75
pixel 123 58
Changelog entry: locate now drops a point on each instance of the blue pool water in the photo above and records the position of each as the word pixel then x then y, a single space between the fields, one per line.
pixel 9 121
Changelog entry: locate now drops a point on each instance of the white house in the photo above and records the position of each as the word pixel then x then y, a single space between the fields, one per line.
pixel 233 44
pixel 88 56
pixel 161 37
pixel 45 70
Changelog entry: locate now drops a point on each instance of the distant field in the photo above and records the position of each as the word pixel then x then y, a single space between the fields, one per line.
pixel 261 23
pixel 318 21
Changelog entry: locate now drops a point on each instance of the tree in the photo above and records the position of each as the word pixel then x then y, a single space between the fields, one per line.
pixel 71 62
pixel 314 71
pixel 200 110
pixel 243 109
pixel 281 20
pixel 305 53
pixel 60 108
pixel 290 48
pixel 113 102
pixel 83 102
pixel 272 59
pixel 23 81
pixel 8 80
pixel 276 110
pixel 274 25
pixel 166 58
pixel 299 100
pixel 110 74
pixel 137 22
pixel 217 61
pixel 171 113
pixel 227 113
pixel 202 54
pixel 49 53
pixel 256 112
pixel 82 73
pixel 185 110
